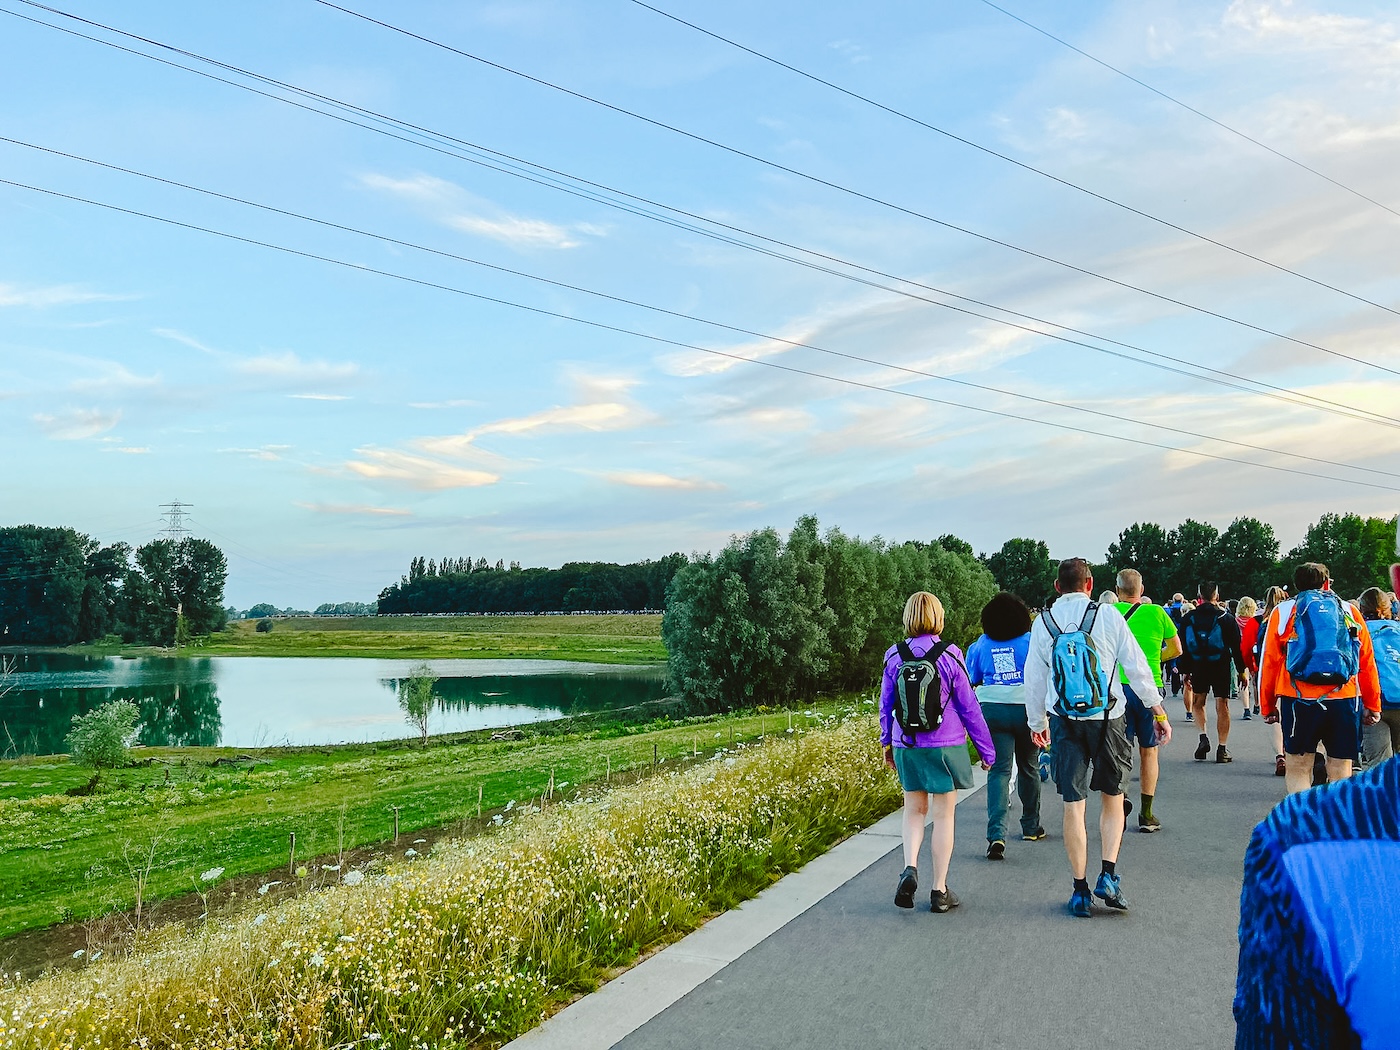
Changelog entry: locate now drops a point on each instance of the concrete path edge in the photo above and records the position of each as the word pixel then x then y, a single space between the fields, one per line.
pixel 603 1019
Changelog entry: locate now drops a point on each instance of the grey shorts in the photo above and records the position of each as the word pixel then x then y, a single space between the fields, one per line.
pixel 937 770
pixel 1079 744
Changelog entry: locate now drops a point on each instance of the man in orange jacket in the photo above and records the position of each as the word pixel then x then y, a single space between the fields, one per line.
pixel 1316 712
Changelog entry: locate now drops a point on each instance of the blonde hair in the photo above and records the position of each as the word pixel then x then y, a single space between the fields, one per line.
pixel 923 614
pixel 1272 597
pixel 1247 607
pixel 1108 598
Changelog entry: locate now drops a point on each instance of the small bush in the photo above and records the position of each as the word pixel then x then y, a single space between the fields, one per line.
pixel 101 737
pixel 416 698
pixel 264 626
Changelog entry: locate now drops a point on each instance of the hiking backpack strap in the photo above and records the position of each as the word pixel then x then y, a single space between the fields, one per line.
pixel 1050 625
pixel 1131 609
pixel 1090 615
pixel 905 653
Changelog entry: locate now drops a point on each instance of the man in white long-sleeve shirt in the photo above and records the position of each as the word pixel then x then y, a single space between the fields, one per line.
pixel 1099 741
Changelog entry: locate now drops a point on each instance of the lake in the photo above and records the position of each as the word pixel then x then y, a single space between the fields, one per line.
pixel 252 701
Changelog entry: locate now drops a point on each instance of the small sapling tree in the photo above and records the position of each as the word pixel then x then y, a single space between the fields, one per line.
pixel 417 699
pixel 101 738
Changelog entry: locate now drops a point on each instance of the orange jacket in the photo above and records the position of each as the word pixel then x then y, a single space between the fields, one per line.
pixel 1275 681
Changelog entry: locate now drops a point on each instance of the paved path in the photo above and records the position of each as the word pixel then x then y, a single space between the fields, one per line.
pixel 1009 968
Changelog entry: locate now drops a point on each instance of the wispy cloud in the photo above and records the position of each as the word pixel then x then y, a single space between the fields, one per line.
pixel 356 510
pixel 77 424
pixel 416 472
pixel 41 298
pixel 188 340
pixel 648 479
pixel 320 397
pixel 288 367
pixel 452 206
pixel 266 453
pixel 128 450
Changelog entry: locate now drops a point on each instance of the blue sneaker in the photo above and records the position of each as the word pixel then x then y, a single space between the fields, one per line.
pixel 1081 905
pixel 1110 890
pixel 1044 766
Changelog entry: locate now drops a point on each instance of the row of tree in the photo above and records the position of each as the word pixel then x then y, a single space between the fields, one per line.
pixel 59 586
pixel 780 620
pixel 1244 559
pixel 457 585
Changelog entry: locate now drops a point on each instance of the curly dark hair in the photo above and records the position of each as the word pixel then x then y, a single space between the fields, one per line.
pixel 1005 617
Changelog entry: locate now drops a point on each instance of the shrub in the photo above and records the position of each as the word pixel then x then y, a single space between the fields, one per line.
pixel 264 626
pixel 416 698
pixel 101 737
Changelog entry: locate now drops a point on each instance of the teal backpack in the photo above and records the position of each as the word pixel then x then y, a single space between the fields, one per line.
pixel 1326 647
pixel 1385 640
pixel 1081 684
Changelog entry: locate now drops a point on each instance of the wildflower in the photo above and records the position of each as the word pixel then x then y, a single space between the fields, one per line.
pixel 410 852
pixel 211 874
pixel 260 918
pixel 262 890
pixel 353 878
pixel 330 867
pixel 79 954
pixel 301 871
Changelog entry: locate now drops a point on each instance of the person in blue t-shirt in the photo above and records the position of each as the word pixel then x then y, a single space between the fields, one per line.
pixel 996 665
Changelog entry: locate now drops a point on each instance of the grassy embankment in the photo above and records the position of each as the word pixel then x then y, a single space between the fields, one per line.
pixel 64 859
pixel 472 945
pixel 618 638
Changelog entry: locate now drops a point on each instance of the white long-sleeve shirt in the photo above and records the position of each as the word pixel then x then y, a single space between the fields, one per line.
pixel 1116 647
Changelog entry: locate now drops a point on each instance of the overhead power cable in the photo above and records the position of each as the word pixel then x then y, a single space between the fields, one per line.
pixel 859 194
pixel 566 182
pixel 740 358
pixel 398 242
pixel 972 144
pixel 1192 109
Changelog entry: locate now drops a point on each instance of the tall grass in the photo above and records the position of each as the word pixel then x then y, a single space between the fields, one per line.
pixel 472 945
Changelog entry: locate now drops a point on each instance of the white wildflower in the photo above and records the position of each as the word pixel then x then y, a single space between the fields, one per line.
pixel 260 918
pixel 211 874
pixel 353 878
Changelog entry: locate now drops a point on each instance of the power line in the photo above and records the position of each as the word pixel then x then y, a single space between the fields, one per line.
pixel 901 114
pixel 602 326
pixel 818 180
pixel 377 116
pixel 174 514
pixel 1192 109
pixel 398 242
pixel 554 179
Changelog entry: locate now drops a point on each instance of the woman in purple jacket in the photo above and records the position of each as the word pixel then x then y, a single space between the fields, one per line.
pixel 931 765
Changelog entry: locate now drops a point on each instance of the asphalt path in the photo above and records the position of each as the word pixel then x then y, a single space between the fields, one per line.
pixel 1010 967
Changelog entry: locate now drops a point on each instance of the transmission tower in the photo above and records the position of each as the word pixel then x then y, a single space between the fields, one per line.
pixel 174 515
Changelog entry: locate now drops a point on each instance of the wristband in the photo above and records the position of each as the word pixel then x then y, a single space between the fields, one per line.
pixel 1159 718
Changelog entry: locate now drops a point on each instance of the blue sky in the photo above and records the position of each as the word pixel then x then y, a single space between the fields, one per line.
pixel 328 424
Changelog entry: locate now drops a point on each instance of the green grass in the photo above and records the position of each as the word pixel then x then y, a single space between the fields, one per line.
pixel 619 638
pixel 61 858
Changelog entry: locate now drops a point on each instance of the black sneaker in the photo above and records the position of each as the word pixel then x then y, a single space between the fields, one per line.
pixel 1147 825
pixel 908 886
pixel 943 900
pixel 1127 808
pixel 996 850
pixel 1222 754
pixel 1246 716
pixel 1203 748
pixel 1033 836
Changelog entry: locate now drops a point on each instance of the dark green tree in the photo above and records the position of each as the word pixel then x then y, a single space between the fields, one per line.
pixel 955 545
pixel 1146 548
pixel 1195 550
pixel 1356 550
pixel 1024 567
pixel 1246 559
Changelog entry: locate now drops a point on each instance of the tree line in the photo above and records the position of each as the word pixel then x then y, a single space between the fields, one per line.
pixel 459 585
pixel 59 586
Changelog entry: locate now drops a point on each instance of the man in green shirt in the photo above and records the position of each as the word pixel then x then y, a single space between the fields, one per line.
pixel 1156 633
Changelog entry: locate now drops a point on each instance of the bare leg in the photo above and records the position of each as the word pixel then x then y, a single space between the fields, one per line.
pixel 1111 821
pixel 1148 775
pixel 1299 773
pixel 1077 838
pixel 1338 769
pixel 915 810
pixel 1278 738
pixel 941 837
pixel 1198 710
pixel 1222 719
pixel 1188 697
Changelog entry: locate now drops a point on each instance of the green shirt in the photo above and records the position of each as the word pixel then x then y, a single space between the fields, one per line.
pixel 1151 626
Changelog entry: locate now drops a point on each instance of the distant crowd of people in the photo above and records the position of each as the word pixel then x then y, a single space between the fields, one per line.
pixel 1074 691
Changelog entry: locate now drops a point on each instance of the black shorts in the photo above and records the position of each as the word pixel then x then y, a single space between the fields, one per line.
pixel 1335 724
pixel 1076 744
pixel 1212 678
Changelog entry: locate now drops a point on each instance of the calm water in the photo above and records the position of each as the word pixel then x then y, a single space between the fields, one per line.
pixel 251 701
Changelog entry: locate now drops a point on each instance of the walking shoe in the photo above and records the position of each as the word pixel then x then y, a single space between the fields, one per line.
pixel 1127 809
pixel 1280 766
pixel 1256 709
pixel 1044 764
pixel 1147 825
pixel 1188 717
pixel 1203 748
pixel 1081 905
pixel 908 886
pixel 1033 836
pixel 1246 716
pixel 996 850
pixel 1222 754
pixel 942 900
pixel 1109 889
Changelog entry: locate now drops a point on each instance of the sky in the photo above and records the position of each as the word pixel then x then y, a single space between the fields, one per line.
pixel 402 394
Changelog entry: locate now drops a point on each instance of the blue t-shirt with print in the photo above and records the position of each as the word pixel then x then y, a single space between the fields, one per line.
pixel 998 663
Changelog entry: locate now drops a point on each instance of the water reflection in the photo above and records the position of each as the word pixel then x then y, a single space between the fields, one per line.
pixel 257 701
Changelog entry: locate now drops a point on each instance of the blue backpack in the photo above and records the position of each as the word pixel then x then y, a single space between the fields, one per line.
pixel 1081 686
pixel 1326 644
pixel 1207 645
pixel 1385 639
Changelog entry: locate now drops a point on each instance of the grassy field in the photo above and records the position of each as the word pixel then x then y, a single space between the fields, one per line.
pixel 618 638
pixel 64 858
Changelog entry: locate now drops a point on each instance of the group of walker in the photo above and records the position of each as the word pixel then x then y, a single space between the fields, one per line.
pixel 1083 681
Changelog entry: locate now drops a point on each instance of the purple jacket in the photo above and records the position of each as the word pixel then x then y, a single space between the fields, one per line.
pixel 962 714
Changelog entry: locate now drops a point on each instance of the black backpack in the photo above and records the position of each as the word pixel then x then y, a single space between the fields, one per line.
pixel 918 690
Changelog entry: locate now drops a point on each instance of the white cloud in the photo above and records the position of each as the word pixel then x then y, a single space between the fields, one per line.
pixel 77 424
pixel 321 397
pixel 416 472
pixel 288 367
pixel 187 340
pixel 128 450
pixel 647 479
pixel 355 510
pixel 54 295
pixel 267 453
pixel 452 206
